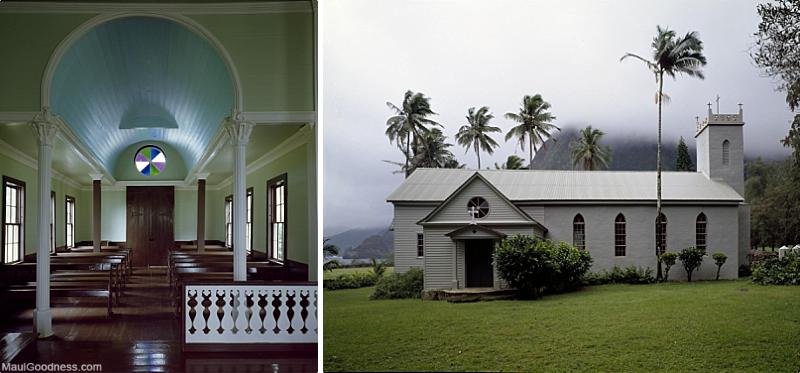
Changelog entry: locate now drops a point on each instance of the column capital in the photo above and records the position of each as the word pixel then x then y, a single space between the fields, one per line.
pixel 238 128
pixel 96 176
pixel 202 175
pixel 44 127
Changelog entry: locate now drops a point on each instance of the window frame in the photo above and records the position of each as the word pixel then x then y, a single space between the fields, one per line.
pixel 229 221
pixel 20 185
pixel 698 234
pixel 52 222
pixel 661 222
pixel 620 235
pixel 726 152
pixel 272 185
pixel 69 227
pixel 420 245
pixel 248 229
pixel 576 223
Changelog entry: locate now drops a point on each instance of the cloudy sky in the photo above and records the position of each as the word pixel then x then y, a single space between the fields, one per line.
pixel 476 53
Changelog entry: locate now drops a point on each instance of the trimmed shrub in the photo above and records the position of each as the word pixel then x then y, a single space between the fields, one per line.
pixel 668 259
pixel 353 280
pixel 533 266
pixel 775 271
pixel 691 257
pixel 719 260
pixel 617 275
pixel 397 286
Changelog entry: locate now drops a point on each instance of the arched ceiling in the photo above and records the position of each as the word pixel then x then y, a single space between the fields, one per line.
pixel 139 78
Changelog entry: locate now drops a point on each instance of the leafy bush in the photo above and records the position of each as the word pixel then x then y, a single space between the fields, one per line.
pixel 617 275
pixel 396 286
pixel 691 257
pixel 775 271
pixel 669 260
pixel 352 280
pixel 533 266
pixel 719 260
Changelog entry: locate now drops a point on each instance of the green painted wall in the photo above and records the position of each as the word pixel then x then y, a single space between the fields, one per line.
pixel 185 215
pixel 32 38
pixel 273 54
pixel 13 168
pixel 294 165
pixel 125 169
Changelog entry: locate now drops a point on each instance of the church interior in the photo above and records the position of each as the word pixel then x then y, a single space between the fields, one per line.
pixel 159 191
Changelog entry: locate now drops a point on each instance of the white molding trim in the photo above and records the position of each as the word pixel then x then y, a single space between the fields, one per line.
pixel 9 151
pixel 17 116
pixel 211 151
pixel 275 117
pixel 300 138
pixel 148 11
pixel 183 8
pixel 122 185
pixel 69 137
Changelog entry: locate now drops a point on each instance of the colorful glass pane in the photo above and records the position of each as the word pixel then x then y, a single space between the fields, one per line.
pixel 150 161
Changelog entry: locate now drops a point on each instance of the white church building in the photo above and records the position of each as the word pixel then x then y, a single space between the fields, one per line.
pixel 447 221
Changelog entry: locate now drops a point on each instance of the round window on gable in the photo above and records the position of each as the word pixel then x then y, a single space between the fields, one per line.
pixel 150 160
pixel 478 207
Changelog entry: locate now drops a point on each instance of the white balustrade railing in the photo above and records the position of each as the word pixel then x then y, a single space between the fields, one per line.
pixel 250 313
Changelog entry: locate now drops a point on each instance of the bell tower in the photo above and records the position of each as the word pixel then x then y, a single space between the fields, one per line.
pixel 720 148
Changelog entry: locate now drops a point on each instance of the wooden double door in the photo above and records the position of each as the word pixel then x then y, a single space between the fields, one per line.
pixel 480 273
pixel 150 224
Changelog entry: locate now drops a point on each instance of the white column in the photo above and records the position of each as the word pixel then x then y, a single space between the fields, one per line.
pixel 239 132
pixel 45 130
pixel 311 169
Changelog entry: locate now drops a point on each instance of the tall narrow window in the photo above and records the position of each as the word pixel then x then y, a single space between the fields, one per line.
pixel 249 229
pixel 661 234
pixel 726 153
pixel 277 194
pixel 579 232
pixel 701 229
pixel 13 220
pixel 70 221
pixel 619 235
pixel 229 221
pixel 420 245
pixel 52 221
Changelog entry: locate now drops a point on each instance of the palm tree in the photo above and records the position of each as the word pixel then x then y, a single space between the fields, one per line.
pixel 587 150
pixel 671 55
pixel 476 134
pixel 534 124
pixel 409 122
pixel 513 162
pixel 432 151
pixel 329 250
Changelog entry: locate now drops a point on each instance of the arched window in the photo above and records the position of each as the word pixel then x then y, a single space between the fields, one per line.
pixel 726 153
pixel 619 235
pixel 579 232
pixel 701 229
pixel 661 234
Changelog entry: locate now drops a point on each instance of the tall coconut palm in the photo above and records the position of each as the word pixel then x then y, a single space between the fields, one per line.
pixel 535 125
pixel 476 134
pixel 587 151
pixel 513 162
pixel 410 122
pixel 432 151
pixel 672 55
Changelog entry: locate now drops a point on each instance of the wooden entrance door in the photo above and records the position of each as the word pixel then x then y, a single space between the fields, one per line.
pixel 478 257
pixel 150 230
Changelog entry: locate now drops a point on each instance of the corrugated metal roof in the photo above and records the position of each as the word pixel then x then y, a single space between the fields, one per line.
pixel 434 185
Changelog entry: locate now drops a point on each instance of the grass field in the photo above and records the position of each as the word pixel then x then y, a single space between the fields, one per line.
pixel 331 274
pixel 714 326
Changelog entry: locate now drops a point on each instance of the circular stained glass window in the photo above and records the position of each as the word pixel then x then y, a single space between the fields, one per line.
pixel 150 160
pixel 478 207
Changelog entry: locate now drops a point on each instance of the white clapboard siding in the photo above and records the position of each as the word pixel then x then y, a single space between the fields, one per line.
pixel 405 236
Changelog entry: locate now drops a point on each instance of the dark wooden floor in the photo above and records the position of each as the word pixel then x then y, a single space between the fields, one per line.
pixel 142 336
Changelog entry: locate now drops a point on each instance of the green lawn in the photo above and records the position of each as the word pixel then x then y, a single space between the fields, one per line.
pixel 338 271
pixel 702 326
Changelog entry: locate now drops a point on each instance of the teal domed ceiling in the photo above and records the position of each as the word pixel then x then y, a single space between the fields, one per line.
pixel 142 79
